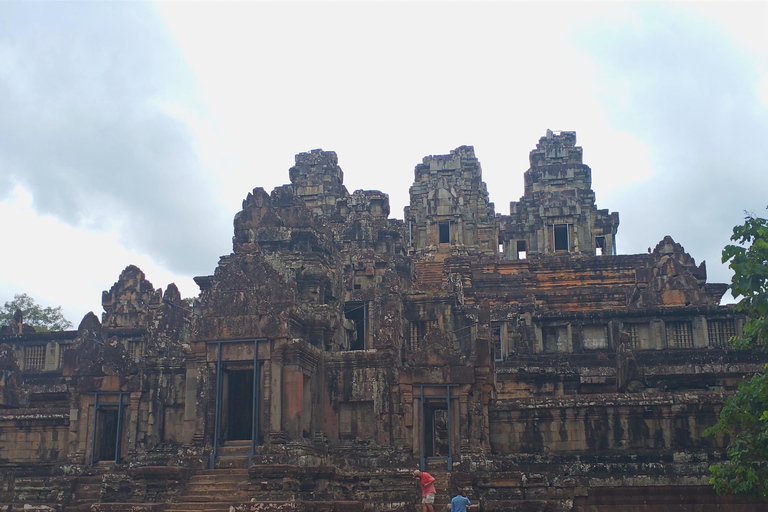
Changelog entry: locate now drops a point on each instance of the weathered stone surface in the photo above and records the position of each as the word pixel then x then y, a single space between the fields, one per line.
pixel 127 303
pixel 335 350
pixel 557 214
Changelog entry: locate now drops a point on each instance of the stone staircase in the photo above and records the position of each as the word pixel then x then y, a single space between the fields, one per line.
pixel 216 490
pixel 34 493
pixel 87 491
pixel 233 454
pixel 442 480
pixel 212 490
pixel 429 275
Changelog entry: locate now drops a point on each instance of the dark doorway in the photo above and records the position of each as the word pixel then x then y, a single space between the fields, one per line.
pixel 436 432
pixel 357 312
pixel 521 250
pixel 239 415
pixel 106 434
pixel 561 237
pixel 444 232
pixel 599 245
pixel 496 342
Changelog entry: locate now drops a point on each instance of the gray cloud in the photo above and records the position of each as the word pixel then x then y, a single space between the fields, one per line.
pixel 83 127
pixel 690 94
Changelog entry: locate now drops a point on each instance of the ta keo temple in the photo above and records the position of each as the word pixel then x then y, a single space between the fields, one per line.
pixel 336 350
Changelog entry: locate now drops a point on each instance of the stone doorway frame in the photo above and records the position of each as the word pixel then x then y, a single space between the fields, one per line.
pixel 258 372
pixel 119 427
pixel 423 423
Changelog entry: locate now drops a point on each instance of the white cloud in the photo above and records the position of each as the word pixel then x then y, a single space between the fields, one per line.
pixel 686 88
pixel 138 135
pixel 86 90
pixel 58 264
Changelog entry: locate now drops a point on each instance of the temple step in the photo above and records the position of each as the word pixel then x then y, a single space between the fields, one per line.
pixel 266 506
pixel 213 490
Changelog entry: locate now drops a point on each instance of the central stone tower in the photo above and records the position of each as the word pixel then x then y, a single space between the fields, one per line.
pixel 557 214
pixel 449 205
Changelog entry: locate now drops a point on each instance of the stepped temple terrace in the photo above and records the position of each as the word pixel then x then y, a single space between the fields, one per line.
pixel 337 349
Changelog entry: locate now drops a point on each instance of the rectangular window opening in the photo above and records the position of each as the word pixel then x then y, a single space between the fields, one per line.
pixel 444 232
pixel 634 335
pixel 34 357
pixel 496 341
pixel 561 237
pixel 357 312
pixel 521 250
pixel 135 349
pixel 720 332
pixel 417 331
pixel 599 245
pixel 555 338
pixel 679 335
pixel 595 337
pixel 62 348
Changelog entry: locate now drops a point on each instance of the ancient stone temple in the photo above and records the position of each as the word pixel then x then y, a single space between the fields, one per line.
pixel 336 349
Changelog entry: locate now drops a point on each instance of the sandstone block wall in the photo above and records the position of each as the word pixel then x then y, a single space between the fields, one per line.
pixel 335 349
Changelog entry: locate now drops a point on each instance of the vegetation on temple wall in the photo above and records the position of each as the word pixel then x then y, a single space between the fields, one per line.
pixel 744 417
pixel 33 314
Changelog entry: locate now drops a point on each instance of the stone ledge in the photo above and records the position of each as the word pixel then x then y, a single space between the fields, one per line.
pixel 299 506
pixel 287 470
pixel 26 507
pixel 160 472
pixel 127 507
pixel 695 397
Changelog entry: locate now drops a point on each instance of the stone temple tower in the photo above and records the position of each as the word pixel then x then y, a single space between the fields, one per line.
pixel 449 205
pixel 335 349
pixel 557 214
pixel 318 180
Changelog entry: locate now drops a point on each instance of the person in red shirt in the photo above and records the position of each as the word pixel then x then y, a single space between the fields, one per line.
pixel 427 483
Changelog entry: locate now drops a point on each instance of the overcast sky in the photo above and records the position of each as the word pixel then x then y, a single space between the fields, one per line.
pixel 131 132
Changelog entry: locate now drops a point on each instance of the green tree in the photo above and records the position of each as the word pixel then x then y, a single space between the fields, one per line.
pixel 42 319
pixel 744 417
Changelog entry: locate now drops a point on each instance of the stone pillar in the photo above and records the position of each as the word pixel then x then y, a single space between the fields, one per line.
pixel 463 427
pixel 538 346
pixel 51 356
pixel 417 427
pixel 455 420
pixel 131 422
pixel 658 335
pixel 699 332
pixel 191 380
pixel 74 454
pixel 204 399
pixel 276 400
pixel 293 398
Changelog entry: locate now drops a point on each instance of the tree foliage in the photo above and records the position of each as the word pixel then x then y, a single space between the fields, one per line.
pixel 42 319
pixel 749 262
pixel 744 417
